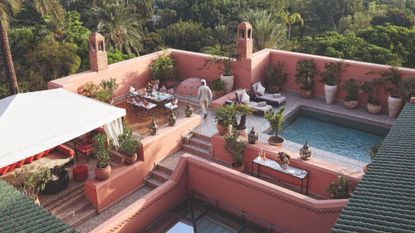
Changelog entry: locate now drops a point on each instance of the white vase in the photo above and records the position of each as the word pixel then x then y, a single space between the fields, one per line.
pixel 228 82
pixel 394 106
pixel 330 93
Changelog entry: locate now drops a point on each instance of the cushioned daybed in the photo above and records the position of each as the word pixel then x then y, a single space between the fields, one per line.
pixel 260 94
pixel 259 107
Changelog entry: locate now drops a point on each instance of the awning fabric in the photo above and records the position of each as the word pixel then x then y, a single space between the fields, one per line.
pixel 37 121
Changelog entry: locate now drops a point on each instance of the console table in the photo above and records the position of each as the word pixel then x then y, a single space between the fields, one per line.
pixel 302 175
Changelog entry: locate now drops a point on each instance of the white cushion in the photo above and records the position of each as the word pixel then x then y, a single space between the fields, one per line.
pixel 260 90
pixel 262 104
pixel 132 89
pixel 277 95
pixel 244 97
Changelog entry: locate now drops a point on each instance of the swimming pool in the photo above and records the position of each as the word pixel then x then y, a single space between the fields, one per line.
pixel 336 134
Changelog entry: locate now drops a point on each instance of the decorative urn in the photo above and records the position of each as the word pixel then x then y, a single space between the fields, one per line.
pixel 153 127
pixel 172 119
pixel 283 159
pixel 189 110
pixel 252 136
pixel 305 152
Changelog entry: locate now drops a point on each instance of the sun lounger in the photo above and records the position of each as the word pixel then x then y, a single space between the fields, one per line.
pixel 272 99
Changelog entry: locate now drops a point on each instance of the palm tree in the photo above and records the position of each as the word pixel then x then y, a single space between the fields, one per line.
pixel 9 7
pixel 291 19
pixel 267 31
pixel 118 23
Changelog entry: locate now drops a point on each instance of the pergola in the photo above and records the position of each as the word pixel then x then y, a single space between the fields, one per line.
pixel 37 121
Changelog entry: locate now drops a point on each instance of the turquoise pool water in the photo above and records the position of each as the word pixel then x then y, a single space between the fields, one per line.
pixel 331 137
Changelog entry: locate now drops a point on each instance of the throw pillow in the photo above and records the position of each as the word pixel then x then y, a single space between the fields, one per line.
pixel 260 90
pixel 132 89
pixel 245 97
pixel 277 95
pixel 262 104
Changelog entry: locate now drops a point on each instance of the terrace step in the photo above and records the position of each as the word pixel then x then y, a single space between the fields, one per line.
pixel 74 210
pixel 200 143
pixel 160 175
pixel 82 216
pixel 164 169
pixel 63 198
pixel 153 182
pixel 68 203
pixel 201 136
pixel 197 150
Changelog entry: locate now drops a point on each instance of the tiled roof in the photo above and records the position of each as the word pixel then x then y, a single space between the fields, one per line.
pixel 20 214
pixel 384 201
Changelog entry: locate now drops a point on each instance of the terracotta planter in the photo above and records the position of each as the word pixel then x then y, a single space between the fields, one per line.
pixel 366 168
pixel 276 140
pixel 273 88
pixel 222 130
pixel 37 201
pixel 103 173
pixel 330 93
pixel 394 106
pixel 306 94
pixel 217 94
pixel 239 169
pixel 130 159
pixel 374 108
pixel 352 104
pixel 228 82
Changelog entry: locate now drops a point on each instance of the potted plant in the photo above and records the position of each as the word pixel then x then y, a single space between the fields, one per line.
pixel 172 119
pixel 330 77
pixel 392 80
pixel 225 116
pixel 275 77
pixel 372 152
pixel 408 89
pixel 236 148
pixel 276 120
pixel 373 104
pixel 102 155
pixel 163 68
pixel 304 76
pixel 243 110
pixel 351 88
pixel 34 181
pixel 153 127
pixel 103 92
pixel 188 111
pixel 217 87
pixel 339 189
pixel 128 146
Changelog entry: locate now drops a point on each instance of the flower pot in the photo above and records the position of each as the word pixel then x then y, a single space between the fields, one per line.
pixel 36 200
pixel 366 168
pixel 103 173
pixel 240 168
pixel 394 106
pixel 217 94
pixel 374 108
pixel 222 130
pixel 351 104
pixel 130 159
pixel 273 88
pixel 306 94
pixel 276 140
pixel 242 132
pixel 228 82
pixel 330 93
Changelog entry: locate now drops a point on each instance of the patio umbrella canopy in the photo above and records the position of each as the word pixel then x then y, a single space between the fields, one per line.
pixel 37 121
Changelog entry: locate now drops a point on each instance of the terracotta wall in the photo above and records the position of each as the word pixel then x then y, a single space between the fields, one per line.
pixel 126 179
pixel 354 69
pixel 264 203
pixel 321 173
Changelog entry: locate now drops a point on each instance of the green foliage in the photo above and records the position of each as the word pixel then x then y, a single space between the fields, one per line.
pixel 235 147
pixel 398 17
pixel 275 119
pixel 103 92
pixel 351 88
pixel 332 73
pixel 128 143
pixel 305 72
pixel 408 88
pixel 115 56
pixel 223 55
pixel 152 42
pixel 163 68
pixel 34 180
pixel 392 80
pixel 74 31
pixel 339 189
pixel 101 150
pixel 275 75
pixel 187 35
pixel 374 150
pixel 217 85
pixel 225 115
pixel 370 88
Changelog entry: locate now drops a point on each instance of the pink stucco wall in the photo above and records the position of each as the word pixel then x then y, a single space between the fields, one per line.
pixel 321 173
pixel 126 179
pixel 264 203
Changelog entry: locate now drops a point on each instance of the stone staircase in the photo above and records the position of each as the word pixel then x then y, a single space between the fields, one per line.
pixel 72 206
pixel 199 145
pixel 158 176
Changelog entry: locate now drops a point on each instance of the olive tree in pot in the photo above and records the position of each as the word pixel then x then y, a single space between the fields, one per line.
pixel 370 88
pixel 33 181
pixel 392 81
pixel 339 189
pixel 102 155
pixel 217 87
pixel 351 88
pixel 243 110
pixel 330 77
pixel 276 120
pixel 372 152
pixel 275 77
pixel 236 148
pixel 304 77
pixel 163 68
pixel 225 116
pixel 128 146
